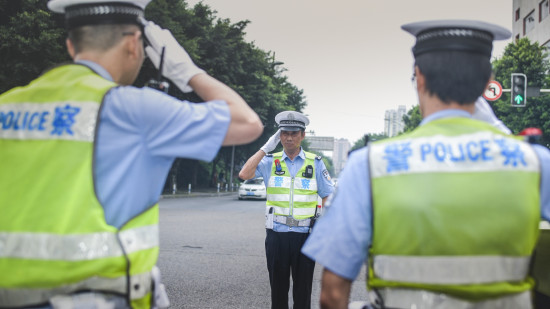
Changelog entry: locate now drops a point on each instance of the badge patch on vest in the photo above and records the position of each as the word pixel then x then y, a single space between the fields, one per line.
pixel 278 169
pixel 326 174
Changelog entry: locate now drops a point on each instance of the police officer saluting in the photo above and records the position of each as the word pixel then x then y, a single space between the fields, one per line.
pixel 447 215
pixel 294 179
pixel 84 156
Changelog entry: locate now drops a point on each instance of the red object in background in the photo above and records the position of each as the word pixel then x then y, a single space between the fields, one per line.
pixel 531 132
pixel 531 135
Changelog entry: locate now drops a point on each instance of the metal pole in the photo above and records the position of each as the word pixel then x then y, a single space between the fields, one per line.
pixel 231 174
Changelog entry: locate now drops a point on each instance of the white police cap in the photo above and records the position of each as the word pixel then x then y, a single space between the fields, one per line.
pixel 460 35
pixel 92 12
pixel 291 121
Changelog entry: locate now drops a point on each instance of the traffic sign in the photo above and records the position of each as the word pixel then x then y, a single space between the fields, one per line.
pixel 493 91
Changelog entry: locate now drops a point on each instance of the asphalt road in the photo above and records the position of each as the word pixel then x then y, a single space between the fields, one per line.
pixel 212 254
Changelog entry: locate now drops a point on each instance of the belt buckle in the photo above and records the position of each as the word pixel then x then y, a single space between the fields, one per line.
pixel 291 221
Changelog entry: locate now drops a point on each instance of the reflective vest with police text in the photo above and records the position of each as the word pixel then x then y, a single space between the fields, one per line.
pixel 53 235
pixel 456 208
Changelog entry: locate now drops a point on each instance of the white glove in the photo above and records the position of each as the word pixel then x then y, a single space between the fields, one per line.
pixel 177 66
pixel 484 113
pixel 272 142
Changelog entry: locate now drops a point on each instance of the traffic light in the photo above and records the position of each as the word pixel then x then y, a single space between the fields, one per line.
pixel 519 90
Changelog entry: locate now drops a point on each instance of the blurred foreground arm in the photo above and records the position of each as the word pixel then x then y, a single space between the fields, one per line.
pixel 335 291
pixel 245 125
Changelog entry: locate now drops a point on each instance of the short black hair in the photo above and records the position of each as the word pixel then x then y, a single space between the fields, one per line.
pixel 455 76
pixel 99 37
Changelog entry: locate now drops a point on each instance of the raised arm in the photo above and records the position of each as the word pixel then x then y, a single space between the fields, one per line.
pixel 245 125
pixel 249 168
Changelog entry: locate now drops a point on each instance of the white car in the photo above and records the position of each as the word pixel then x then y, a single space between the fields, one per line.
pixel 253 189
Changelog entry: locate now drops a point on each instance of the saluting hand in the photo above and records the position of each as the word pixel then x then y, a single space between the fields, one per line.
pixel 272 142
pixel 177 66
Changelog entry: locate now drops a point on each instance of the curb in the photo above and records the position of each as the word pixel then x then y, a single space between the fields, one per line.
pixel 197 194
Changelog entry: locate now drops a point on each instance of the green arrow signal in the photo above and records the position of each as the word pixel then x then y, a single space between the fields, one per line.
pixel 518 99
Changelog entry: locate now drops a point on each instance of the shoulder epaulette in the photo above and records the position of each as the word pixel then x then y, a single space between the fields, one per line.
pixel 318 157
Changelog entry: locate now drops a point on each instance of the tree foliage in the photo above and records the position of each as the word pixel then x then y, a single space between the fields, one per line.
pixel 367 138
pixel 412 119
pixel 33 40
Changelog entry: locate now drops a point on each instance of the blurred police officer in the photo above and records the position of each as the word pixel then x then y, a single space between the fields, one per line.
pixel 294 179
pixel 448 214
pixel 84 157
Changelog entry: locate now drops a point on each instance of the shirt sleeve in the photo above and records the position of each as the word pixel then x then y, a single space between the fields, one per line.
pixel 340 239
pixel 170 127
pixel 544 157
pixel 264 169
pixel 325 186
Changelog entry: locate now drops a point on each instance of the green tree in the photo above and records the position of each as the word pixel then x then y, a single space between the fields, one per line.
pixel 528 58
pixel 33 40
pixel 367 138
pixel 412 119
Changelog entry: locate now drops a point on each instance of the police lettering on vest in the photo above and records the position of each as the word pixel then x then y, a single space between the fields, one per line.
pixel 61 120
pixel 454 154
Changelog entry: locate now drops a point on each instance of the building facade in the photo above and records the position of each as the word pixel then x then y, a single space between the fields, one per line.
pixel 393 121
pixel 531 19
pixel 340 155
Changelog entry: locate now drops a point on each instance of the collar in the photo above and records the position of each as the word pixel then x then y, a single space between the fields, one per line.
pixel 447 113
pixel 96 68
pixel 301 154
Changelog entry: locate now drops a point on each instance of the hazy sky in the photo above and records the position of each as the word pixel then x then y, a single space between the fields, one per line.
pixel 350 57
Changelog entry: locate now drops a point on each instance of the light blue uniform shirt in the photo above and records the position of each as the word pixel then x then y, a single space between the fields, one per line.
pixel 341 238
pixel 140 133
pixel 324 185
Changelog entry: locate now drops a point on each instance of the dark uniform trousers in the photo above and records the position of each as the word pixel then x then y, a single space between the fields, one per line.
pixel 283 253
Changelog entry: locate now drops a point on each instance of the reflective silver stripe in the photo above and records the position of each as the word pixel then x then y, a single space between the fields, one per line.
pixel 291 221
pixel 305 198
pixel 421 299
pixel 309 211
pixel 305 183
pixel 281 210
pixel 278 197
pixel 42 246
pixel 279 182
pixel 140 286
pixel 544 225
pixel 296 197
pixel 450 269
pixel 59 120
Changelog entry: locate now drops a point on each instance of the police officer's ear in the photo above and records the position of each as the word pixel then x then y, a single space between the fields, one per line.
pixel 420 80
pixel 70 48
pixel 134 44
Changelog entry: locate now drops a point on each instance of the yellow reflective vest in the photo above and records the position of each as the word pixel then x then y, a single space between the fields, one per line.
pixel 53 235
pixel 292 196
pixel 456 208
